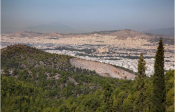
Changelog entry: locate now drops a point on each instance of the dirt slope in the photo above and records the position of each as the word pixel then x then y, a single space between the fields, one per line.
pixel 102 69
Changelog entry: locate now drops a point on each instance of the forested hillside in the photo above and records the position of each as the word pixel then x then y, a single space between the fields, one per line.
pixel 35 81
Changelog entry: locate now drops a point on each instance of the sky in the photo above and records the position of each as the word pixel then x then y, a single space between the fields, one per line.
pixel 87 15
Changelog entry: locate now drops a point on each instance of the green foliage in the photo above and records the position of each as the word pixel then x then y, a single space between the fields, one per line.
pixel 159 80
pixel 118 105
pixel 22 56
pixel 128 103
pixel 170 90
pixel 139 103
pixel 43 82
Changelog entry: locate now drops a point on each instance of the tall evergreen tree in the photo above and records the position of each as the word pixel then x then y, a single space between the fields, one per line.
pixel 139 104
pixel 158 98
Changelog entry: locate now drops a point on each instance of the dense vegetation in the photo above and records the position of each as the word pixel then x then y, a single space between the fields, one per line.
pixel 139 103
pixel 159 91
pixel 33 80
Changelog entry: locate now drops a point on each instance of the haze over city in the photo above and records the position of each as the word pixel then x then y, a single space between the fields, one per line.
pixel 81 16
pixel 87 56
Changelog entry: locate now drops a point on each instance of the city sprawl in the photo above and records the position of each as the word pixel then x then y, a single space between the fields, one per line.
pixel 120 48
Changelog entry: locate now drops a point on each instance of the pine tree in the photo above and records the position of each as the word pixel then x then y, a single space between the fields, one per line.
pixel 107 96
pixel 139 104
pixel 158 98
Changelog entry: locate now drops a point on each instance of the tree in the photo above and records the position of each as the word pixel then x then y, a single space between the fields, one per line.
pixel 128 104
pixel 169 82
pixel 139 103
pixel 118 102
pixel 107 96
pixel 158 98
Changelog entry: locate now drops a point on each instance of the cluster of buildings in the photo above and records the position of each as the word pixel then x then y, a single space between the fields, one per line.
pixel 123 62
pixel 106 49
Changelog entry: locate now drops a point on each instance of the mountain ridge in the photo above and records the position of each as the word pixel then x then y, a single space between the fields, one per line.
pixel 110 32
pixel 119 34
pixel 162 31
pixel 53 27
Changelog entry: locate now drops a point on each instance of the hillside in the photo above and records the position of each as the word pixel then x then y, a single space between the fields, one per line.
pixel 31 34
pixel 47 76
pixel 102 69
pixel 33 80
pixel 126 33
pixel 24 57
pixel 118 34
pixel 162 31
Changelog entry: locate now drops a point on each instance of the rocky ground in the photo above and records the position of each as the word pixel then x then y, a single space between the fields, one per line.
pixel 102 69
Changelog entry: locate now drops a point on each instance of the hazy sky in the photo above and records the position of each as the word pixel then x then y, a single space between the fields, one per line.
pixel 89 15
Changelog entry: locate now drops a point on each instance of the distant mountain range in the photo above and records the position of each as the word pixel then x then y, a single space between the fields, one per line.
pixel 43 28
pixel 61 28
pixel 162 31
pixel 54 27
pixel 120 34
